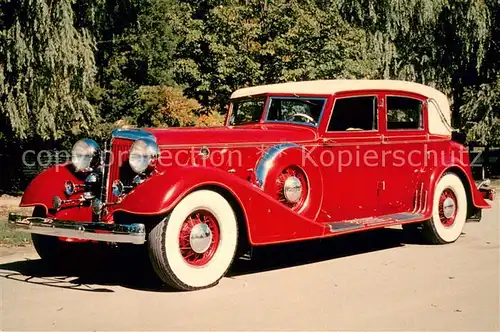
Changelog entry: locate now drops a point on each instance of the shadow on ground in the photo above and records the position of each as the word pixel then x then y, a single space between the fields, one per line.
pixel 130 267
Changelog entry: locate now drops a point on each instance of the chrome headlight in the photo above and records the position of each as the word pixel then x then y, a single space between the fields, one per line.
pixel 143 155
pixel 85 154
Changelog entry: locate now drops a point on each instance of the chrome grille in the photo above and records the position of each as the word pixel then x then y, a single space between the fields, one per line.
pixel 118 166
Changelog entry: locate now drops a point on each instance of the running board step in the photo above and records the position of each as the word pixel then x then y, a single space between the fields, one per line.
pixel 374 222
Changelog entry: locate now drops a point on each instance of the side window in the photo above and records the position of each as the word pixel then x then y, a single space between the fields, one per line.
pixel 354 114
pixel 404 113
pixel 301 110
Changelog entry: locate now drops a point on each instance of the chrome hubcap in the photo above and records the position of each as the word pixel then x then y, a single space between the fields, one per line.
pixel 449 207
pixel 200 238
pixel 292 189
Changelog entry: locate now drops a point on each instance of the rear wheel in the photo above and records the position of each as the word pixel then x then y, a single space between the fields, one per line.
pixel 449 211
pixel 194 246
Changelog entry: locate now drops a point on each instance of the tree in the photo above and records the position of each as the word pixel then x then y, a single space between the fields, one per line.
pixel 481 113
pixel 168 107
pixel 135 48
pixel 232 44
pixel 46 71
pixel 435 42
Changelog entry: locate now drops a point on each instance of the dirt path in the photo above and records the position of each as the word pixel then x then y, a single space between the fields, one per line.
pixel 11 204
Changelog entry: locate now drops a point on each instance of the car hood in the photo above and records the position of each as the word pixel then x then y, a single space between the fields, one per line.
pixel 259 134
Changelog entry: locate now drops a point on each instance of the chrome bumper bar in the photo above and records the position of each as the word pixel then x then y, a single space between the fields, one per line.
pixel 487 191
pixel 134 233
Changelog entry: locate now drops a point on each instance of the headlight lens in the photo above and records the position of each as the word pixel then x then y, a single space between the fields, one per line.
pixel 85 154
pixel 143 155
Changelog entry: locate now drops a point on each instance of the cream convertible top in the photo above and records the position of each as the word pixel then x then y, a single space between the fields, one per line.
pixel 438 107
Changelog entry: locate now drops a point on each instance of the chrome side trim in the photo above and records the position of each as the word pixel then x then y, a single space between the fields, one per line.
pixel 374 222
pixel 132 134
pixel 266 162
pixel 134 233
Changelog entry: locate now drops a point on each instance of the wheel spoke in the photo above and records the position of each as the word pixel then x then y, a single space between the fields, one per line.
pixel 193 224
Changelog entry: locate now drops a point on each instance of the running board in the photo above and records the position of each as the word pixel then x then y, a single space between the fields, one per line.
pixel 374 222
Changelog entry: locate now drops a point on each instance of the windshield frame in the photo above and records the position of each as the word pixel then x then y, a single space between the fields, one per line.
pixel 267 104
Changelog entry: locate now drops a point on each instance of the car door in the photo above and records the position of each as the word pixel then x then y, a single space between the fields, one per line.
pixel 349 156
pixel 404 128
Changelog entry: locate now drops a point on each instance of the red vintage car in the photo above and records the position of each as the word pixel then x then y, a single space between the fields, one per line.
pixel 293 162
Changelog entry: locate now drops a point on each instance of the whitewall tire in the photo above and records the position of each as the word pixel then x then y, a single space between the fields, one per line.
pixel 194 246
pixel 449 211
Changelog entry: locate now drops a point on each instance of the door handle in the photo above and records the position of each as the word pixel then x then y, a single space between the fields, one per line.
pixel 328 142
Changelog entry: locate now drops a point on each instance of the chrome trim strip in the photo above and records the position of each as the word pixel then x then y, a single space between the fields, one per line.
pixel 134 233
pixel 132 134
pixel 266 161
pixel 305 143
pixel 484 183
pixel 441 114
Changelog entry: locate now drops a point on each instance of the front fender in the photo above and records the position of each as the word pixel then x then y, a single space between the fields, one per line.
pixel 50 183
pixel 268 221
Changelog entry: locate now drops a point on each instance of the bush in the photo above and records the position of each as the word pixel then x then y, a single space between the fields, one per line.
pixel 168 107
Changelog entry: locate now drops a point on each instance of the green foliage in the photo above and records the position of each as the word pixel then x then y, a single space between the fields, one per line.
pixel 430 41
pixel 136 49
pixel 46 70
pixel 230 44
pixel 168 107
pixel 71 65
pixel 481 113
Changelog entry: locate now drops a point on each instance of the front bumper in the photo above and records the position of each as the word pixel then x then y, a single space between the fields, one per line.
pixel 134 233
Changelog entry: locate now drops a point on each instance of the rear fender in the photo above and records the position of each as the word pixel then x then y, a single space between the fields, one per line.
pixel 267 220
pixel 463 171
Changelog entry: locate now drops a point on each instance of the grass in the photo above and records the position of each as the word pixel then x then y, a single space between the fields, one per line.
pixel 8 236
pixel 11 238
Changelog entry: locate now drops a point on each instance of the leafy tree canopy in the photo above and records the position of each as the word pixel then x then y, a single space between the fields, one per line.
pixel 70 65
pixel 47 68
pixel 481 113
pixel 228 44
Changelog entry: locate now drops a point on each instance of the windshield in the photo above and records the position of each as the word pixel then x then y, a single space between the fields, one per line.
pixel 281 109
pixel 247 111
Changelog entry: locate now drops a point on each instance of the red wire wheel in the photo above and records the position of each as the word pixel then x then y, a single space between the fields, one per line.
pixel 199 238
pixel 447 207
pixel 292 188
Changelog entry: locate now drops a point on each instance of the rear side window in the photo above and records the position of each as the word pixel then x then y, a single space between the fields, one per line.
pixel 354 114
pixel 404 113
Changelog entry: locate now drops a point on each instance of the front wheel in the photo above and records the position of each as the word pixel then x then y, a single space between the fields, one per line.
pixel 50 248
pixel 449 211
pixel 194 246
